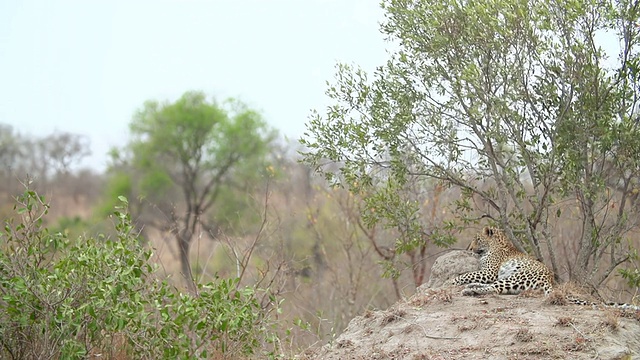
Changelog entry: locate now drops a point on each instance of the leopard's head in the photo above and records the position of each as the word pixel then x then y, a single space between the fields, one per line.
pixel 484 240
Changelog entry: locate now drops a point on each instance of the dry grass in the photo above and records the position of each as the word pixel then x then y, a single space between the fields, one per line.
pixel 344 343
pixel 569 293
pixel 443 296
pixel 538 350
pixel 611 320
pixel 524 335
pixel 466 327
pixel 564 321
pixel 579 344
pixel 391 315
pixel 467 322
pixel 557 297
pixel 631 314
pixel 368 313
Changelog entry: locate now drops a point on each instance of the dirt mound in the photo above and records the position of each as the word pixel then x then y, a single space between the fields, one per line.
pixel 442 324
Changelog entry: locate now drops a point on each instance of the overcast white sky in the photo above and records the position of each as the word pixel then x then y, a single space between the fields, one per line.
pixel 86 66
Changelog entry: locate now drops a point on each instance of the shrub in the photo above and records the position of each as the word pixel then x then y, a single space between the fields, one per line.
pixel 99 296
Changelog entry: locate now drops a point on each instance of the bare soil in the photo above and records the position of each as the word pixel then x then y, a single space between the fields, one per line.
pixel 439 323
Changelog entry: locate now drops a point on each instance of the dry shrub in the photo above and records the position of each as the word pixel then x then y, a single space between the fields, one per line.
pixel 611 320
pixel 524 335
pixel 468 323
pixel 466 327
pixel 368 314
pixel 557 297
pixel 441 295
pixel 568 293
pixel 564 321
pixel 409 328
pixel 536 349
pixel 345 343
pixel 579 344
pixel 631 314
pixel 392 315
pixel 419 300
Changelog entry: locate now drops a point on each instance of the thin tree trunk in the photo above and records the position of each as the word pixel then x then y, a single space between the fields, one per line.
pixel 185 265
pixel 586 242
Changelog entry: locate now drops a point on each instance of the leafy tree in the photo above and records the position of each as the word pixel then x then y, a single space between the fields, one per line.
pixel 184 156
pixel 526 107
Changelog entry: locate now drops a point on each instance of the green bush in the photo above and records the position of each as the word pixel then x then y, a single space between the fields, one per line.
pixel 631 274
pixel 99 296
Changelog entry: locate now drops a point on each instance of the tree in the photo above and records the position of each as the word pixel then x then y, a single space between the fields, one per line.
pixel 61 150
pixel 11 154
pixel 184 155
pixel 41 158
pixel 515 103
pixel 10 149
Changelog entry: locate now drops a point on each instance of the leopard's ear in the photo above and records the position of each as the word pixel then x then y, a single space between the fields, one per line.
pixel 489 231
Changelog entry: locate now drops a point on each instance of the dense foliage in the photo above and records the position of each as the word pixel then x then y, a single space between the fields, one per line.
pixel 74 298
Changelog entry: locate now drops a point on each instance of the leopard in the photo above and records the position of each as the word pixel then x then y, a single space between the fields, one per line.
pixel 503 268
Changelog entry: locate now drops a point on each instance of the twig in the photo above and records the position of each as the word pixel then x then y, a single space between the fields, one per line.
pixel 433 336
pixel 247 255
pixel 436 337
pixel 579 332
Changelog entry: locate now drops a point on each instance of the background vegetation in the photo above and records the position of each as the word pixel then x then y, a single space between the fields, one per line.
pixel 505 112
